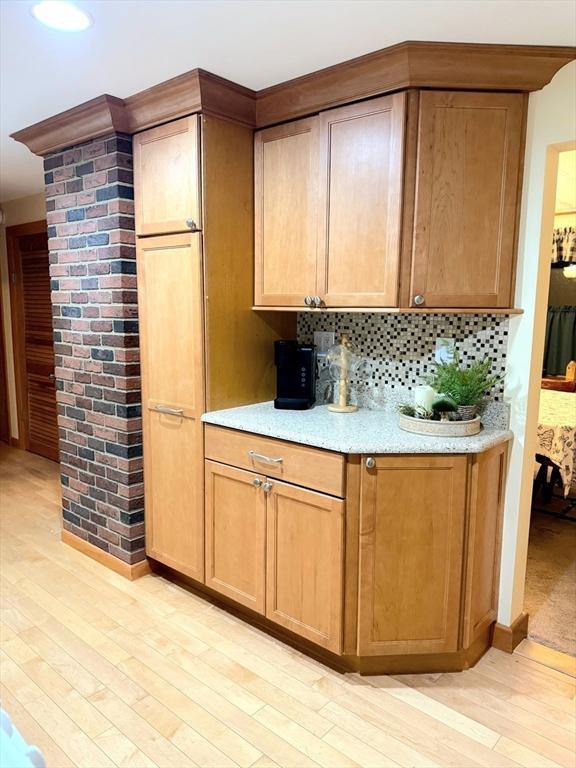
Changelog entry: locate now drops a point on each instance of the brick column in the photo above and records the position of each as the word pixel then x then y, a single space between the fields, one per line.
pixel 89 199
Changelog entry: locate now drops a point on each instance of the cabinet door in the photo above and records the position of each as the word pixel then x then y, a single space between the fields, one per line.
pixel 170 312
pixel 411 540
pixel 236 534
pixel 166 178
pixel 483 546
pixel 304 567
pixel 286 177
pixel 361 161
pixel 468 173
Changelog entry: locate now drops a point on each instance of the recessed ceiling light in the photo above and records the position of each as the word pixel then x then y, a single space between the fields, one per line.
pixel 60 14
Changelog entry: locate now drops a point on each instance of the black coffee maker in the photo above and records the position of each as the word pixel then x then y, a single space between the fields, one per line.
pixel 295 375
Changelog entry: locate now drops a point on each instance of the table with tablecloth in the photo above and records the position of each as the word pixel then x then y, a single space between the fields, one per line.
pixel 557 433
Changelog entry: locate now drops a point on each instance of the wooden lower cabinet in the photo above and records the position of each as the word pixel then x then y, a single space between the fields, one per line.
pixel 174 498
pixel 412 514
pixel 399 576
pixel 236 534
pixel 304 567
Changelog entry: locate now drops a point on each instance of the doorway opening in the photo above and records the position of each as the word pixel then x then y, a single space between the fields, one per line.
pixel 550 589
pixel 31 313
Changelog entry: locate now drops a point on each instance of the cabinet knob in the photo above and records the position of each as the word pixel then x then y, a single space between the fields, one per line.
pixel 256 482
pixel 370 463
pixel 267 487
pixel 308 300
pixel 317 301
pixel 418 299
pixel 191 224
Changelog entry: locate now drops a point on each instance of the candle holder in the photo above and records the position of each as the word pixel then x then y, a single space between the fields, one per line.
pixel 343 361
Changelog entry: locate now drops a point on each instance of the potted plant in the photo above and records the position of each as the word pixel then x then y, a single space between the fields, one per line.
pixel 467 387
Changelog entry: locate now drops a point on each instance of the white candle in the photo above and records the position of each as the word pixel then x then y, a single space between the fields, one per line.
pixel 424 396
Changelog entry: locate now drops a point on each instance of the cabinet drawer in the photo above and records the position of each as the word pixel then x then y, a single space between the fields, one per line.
pixel 299 464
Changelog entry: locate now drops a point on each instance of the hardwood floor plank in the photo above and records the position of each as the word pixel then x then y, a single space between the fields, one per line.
pixel 101 671
pixel 32 732
pixel 499 722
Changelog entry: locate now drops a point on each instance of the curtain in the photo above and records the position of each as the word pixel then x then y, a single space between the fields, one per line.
pixel 564 245
pixel 560 344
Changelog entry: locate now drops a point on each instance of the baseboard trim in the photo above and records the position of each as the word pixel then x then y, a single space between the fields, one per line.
pixel 507 638
pixel 131 572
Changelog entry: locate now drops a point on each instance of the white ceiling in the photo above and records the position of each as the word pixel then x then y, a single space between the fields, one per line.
pixel 134 44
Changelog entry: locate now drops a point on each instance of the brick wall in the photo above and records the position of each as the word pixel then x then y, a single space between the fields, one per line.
pixel 89 199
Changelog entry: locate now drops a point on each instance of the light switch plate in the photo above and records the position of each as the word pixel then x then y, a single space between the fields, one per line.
pixel 323 340
pixel 445 349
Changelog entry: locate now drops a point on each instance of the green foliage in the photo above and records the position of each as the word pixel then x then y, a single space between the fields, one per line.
pixel 406 410
pixel 466 386
pixel 444 405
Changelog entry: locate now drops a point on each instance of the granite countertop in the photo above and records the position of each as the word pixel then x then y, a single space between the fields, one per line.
pixel 366 431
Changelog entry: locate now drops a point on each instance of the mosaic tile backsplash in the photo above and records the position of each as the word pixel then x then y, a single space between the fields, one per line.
pixel 400 348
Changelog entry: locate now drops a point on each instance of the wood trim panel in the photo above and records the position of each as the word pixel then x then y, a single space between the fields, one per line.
pixel 131 572
pixel 457 66
pixel 506 638
pixel 486 482
pixel 351 553
pixel 406 65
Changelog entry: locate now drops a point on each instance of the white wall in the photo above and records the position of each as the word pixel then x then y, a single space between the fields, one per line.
pixel 551 124
pixel 19 211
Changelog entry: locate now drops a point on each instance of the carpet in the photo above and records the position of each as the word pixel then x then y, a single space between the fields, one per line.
pixel 550 596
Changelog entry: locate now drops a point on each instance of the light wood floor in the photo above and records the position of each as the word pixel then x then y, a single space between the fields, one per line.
pixel 98 671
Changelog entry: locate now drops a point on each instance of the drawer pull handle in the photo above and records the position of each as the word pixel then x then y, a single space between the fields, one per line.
pixel 265 459
pixel 168 410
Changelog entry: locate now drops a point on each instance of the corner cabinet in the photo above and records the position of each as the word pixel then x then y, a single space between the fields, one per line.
pixel 404 201
pixel 467 198
pixel 412 513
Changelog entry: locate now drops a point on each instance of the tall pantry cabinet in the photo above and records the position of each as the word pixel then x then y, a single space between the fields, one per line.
pixel 201 346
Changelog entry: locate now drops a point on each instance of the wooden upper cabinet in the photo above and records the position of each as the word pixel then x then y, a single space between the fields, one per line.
pixel 468 179
pixel 285 182
pixel 305 563
pixel 167 169
pixel 236 534
pixel 360 189
pixel 411 549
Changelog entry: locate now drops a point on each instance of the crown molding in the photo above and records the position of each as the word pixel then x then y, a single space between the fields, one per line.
pixel 454 66
pixel 98 117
